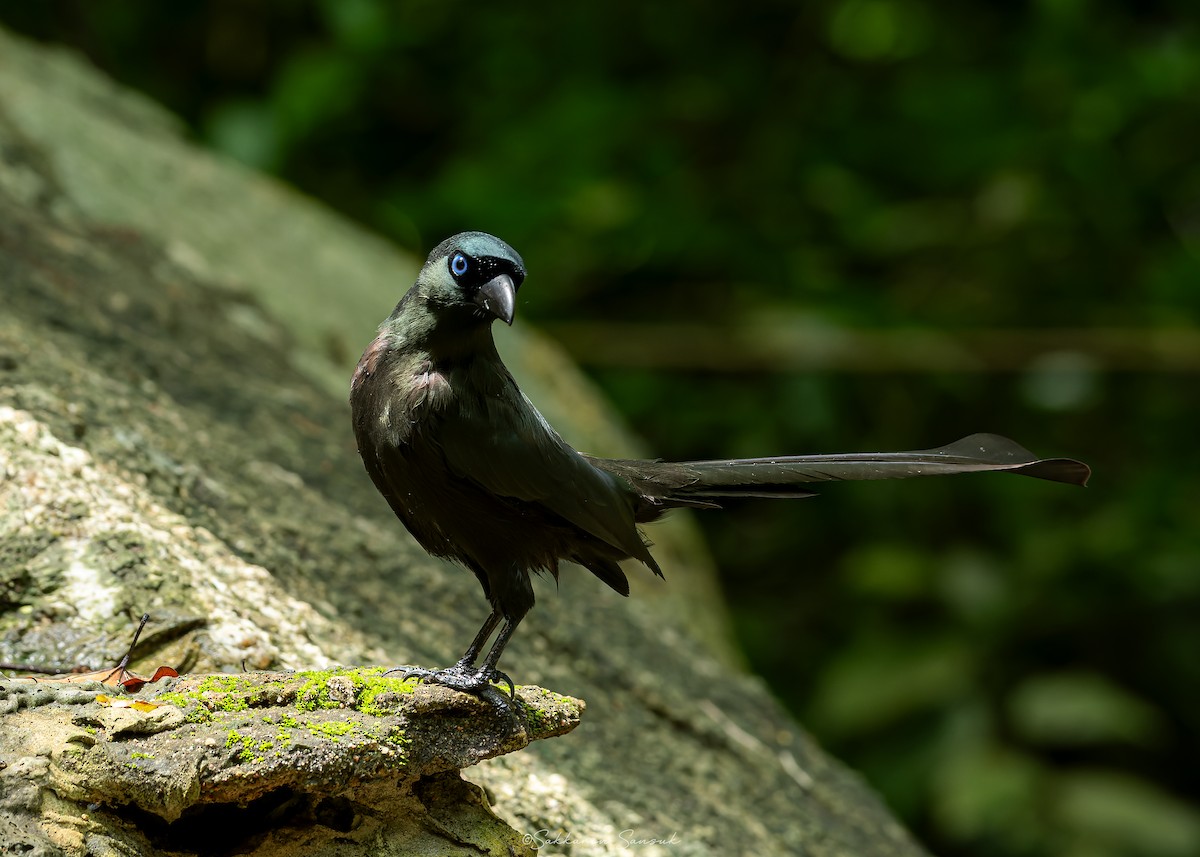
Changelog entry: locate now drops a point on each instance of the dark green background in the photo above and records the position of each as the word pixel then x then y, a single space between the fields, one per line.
pixel 706 192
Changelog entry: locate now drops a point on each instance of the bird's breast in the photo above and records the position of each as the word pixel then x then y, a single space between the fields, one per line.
pixel 410 398
pixel 427 389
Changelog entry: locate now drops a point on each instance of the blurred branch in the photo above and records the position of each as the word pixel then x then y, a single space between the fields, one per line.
pixel 775 346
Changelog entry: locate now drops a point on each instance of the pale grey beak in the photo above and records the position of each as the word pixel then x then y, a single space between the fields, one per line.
pixel 498 296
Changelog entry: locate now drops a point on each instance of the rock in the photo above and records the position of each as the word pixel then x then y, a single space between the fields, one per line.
pixel 362 755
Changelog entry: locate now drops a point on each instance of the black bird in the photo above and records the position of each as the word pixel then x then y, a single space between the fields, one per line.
pixel 477 475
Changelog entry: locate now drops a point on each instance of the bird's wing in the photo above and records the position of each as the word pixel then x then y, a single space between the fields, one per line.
pixel 504 445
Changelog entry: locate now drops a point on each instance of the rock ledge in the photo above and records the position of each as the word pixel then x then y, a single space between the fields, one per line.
pixel 274 755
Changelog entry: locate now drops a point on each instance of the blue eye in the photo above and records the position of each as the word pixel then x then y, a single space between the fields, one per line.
pixel 459 265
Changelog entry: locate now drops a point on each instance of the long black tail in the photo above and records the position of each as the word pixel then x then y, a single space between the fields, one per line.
pixel 702 483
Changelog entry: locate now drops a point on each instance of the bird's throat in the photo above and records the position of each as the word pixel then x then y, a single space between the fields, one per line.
pixel 452 346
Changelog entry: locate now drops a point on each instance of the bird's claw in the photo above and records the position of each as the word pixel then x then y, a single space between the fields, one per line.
pixel 497 677
pixel 406 673
pixel 459 677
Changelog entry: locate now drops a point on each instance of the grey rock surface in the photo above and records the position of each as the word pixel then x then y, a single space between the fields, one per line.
pixel 176 335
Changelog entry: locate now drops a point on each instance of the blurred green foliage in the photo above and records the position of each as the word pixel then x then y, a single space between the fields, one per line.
pixel 1015 665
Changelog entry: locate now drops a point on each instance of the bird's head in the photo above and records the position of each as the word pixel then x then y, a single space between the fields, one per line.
pixel 472 276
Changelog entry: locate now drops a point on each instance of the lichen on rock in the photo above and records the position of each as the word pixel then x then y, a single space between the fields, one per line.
pixel 226 746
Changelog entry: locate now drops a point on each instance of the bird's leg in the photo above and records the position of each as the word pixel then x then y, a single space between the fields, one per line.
pixel 488 670
pixel 463 676
pixel 472 653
